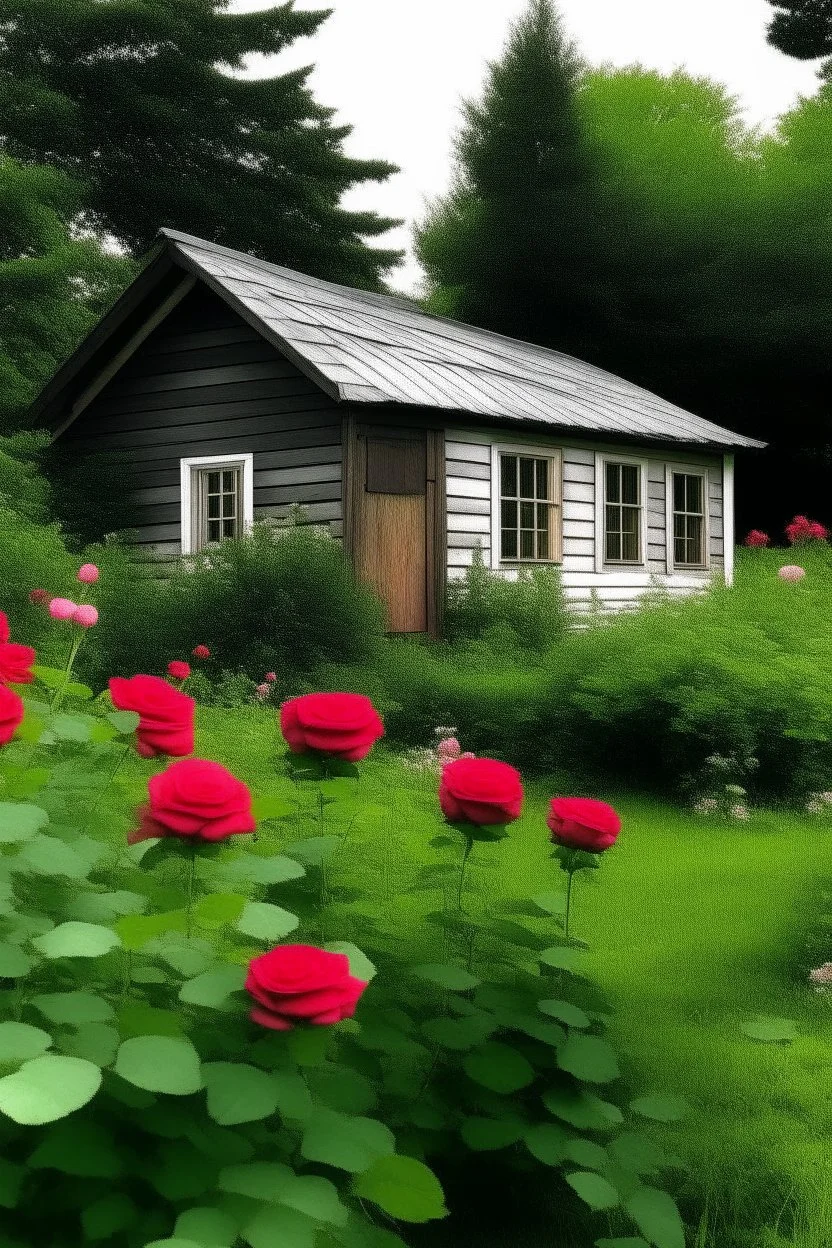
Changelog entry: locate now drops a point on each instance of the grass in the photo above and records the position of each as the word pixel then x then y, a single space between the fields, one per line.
pixel 694 926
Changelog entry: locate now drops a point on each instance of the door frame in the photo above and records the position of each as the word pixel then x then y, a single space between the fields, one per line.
pixel 435 502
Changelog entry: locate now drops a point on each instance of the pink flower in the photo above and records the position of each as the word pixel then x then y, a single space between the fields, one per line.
pixel 178 669
pixel 791 572
pixel 448 749
pixel 757 538
pixel 821 974
pixel 271 676
pixel 62 608
pixel 88 573
pixel 38 597
pixel 817 532
pixel 802 529
pixel 5 631
pixel 85 615
pixel 201 652
pixel 262 691
pixel 467 754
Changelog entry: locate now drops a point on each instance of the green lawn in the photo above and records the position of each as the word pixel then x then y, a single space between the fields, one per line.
pixel 694 926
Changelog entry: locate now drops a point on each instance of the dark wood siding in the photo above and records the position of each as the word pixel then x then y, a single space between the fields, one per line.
pixel 205 383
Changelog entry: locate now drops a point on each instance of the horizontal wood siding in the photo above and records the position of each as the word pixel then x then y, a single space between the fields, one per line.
pixel 205 383
pixel 468 467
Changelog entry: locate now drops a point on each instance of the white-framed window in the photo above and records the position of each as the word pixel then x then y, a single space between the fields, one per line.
pixel 217 493
pixel 688 527
pixel 526 520
pixel 620 525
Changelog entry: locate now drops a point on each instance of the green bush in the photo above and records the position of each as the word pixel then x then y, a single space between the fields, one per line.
pixel 528 614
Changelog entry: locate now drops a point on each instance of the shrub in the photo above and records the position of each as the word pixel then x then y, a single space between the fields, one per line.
pixel 526 614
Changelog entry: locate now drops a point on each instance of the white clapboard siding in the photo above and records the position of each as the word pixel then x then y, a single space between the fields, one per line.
pixel 468 468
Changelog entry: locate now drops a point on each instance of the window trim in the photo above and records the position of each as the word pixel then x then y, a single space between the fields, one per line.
pixel 602 458
pixel 534 451
pixel 691 470
pixel 188 465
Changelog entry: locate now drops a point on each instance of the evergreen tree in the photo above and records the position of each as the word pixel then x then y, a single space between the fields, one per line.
pixel 515 245
pixel 139 98
pixel 802 28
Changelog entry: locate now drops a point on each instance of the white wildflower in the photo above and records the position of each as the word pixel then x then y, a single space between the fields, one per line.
pixel 740 812
pixel 706 806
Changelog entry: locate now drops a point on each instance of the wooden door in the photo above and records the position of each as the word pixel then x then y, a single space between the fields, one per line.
pixel 394 525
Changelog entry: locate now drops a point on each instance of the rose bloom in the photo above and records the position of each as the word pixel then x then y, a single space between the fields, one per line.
pixel 482 791
pixel 271 677
pixel 198 799
pixel 201 652
pixel 88 574
pixel 5 631
pixel 791 572
pixel 62 608
pixel 38 597
pixel 583 823
pixel 301 984
pixel 11 714
pixel 757 538
pixel 346 725
pixel 15 662
pixel 799 529
pixel 817 532
pixel 178 669
pixel 86 615
pixel 261 692
pixel 166 723
pixel 449 749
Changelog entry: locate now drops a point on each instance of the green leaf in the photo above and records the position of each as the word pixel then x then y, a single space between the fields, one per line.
pixel 137 1018
pixel 76 690
pixel 656 1216
pixel 339 1087
pixel 74 1007
pixel 238 1092
pixel 315 1197
pixel 251 869
pixel 459 1033
pixel 19 1043
pixel 564 957
pixel 360 965
pixel 265 808
pixel 308 1046
pixel 293 1098
pixel 259 1180
pixel 20 822
pixel 498 1067
pixel 276 1225
pixel 11 1181
pixel 547 1142
pixel 72 727
pixel 350 1143
pixel 596 1191
pixel 314 850
pixel 189 955
pixel 105 907
pixel 103 1218
pixel 14 963
pixel 454 978
pixel 213 988
pixel 52 677
pixel 210 1228
pixel 660 1107
pixel 124 722
pixel 589 1058
pixel 264 921
pixel 566 1012
pixel 95 1042
pixel 160 1064
pixel 629 1241
pixel 47 1088
pixel 46 855
pixel 220 908
pixel 582 1109
pixel 79 1147
pixel 135 930
pixel 636 1152
pixel 77 940
pixel 586 1153
pixel 551 903
pixel 769 1030
pixel 404 1188
pixel 484 1134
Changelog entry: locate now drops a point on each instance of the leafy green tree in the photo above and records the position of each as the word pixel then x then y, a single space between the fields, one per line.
pixel 514 246
pixel 54 281
pixel 139 98
pixel 802 28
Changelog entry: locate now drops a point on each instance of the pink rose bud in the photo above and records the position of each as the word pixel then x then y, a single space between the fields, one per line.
pixel 449 748
pixel 262 690
pixel 62 608
pixel 271 676
pixel 88 573
pixel 467 754
pixel 201 652
pixel 86 615
pixel 791 572
pixel 178 669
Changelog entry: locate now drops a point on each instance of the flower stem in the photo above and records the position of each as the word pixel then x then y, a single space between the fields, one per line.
pixel 568 901
pixel 469 845
pixel 190 902
pixel 59 694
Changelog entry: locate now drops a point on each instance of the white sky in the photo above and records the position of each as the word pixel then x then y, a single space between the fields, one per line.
pixel 397 70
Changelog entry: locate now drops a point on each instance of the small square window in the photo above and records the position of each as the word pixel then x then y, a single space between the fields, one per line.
pixel 528 510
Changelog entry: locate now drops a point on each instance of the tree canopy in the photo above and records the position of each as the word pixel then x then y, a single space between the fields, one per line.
pixel 802 28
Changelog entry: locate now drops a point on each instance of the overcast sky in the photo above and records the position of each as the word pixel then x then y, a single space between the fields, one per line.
pixel 396 70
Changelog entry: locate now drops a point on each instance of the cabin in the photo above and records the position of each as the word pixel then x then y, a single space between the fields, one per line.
pixel 234 390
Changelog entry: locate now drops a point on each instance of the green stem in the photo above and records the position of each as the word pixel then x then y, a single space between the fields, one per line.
pixel 568 901
pixel 59 694
pixel 105 787
pixel 323 898
pixel 469 845
pixel 190 902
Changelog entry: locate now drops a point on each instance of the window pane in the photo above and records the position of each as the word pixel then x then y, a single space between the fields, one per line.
pixel 228 504
pixel 696 533
pixel 508 515
pixel 229 479
pixel 526 544
pixel 695 494
pixel 629 483
pixel 680 551
pixel 527 515
pixel 543 544
pixel 613 546
pixel 542 516
pixel 613 483
pixel 508 548
pixel 542 466
pixel 213 483
pixel 228 527
pixel 526 478
pixel 679 492
pixel 213 505
pixel 508 476
pixel 613 523
pixel 629 547
pixel 213 530
pixel 679 529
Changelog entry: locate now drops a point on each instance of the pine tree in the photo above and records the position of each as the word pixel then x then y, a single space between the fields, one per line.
pixel 515 245
pixel 141 100
pixel 802 28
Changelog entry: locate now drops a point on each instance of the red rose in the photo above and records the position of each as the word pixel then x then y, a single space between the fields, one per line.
pixel 15 662
pixel 178 669
pixel 301 984
pixel 481 791
pixel 11 714
pixel 195 798
pixel 818 532
pixel 201 652
pixel 583 823
pixel 344 724
pixel 166 723
pixel 757 538
pixel 5 631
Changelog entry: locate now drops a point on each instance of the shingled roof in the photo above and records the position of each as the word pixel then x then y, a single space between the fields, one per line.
pixel 365 348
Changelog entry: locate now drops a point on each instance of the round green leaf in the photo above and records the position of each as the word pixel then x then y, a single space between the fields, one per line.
pixel 589 1058
pixel 77 1146
pixel 104 1217
pixel 19 1042
pixel 596 1191
pixel 238 1092
pixel 454 978
pixel 251 869
pixel 499 1068
pixel 20 822
pixel 48 1088
pixel 404 1188
pixel 769 1030
pixel 656 1216
pixel 260 1180
pixel 74 1007
pixel 124 722
pixel 213 988
pixel 315 1197
pixel 636 1152
pixel 551 903
pixel 266 922
pixel 547 1142
pixel 350 1143
pixel 566 1012
pixel 276 1225
pixel 360 965
pixel 484 1134
pixel 564 957
pixel 14 963
pixel 459 1033
pixel 660 1107
pixel 160 1064
pixel 77 940
pixel 211 1228
pixel 582 1109
pixel 46 855
pixel 95 1042
pixel 586 1153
